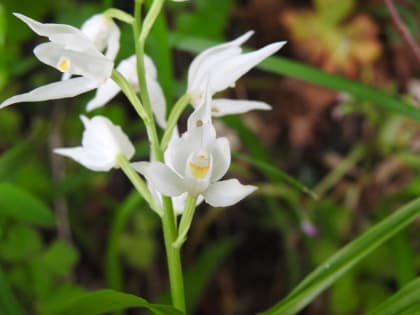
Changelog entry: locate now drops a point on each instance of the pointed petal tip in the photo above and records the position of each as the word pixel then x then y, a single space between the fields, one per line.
pixel 277 45
pixel 20 16
pixel 61 151
pixel 4 104
pixel 85 120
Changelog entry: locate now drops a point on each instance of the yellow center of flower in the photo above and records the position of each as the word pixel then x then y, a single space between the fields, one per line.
pixel 200 164
pixel 64 64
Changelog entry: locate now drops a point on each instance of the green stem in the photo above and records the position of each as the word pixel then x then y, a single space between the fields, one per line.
pixel 130 94
pixel 187 216
pixel 117 14
pixel 138 183
pixel 176 112
pixel 141 74
pixel 173 254
pixel 150 19
pixel 168 216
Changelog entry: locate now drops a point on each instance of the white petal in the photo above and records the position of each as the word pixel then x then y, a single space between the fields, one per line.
pixel 47 29
pixel 113 42
pixel 221 158
pixel 227 192
pixel 60 33
pixel 104 33
pixel 222 106
pixel 93 67
pixel 191 141
pixel 161 176
pixel 228 72
pixel 104 94
pixel 202 113
pixel 157 99
pixel 150 67
pixel 88 158
pixel 52 91
pixel 128 68
pixel 102 136
pixel 204 61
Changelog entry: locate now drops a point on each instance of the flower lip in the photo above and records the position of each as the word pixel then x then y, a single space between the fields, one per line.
pixel 64 64
pixel 199 164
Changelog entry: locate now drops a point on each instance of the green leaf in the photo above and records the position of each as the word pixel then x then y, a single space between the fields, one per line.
pixel 199 273
pixel 60 258
pixel 8 302
pixel 343 260
pixel 300 71
pixel 20 244
pixel 277 174
pixel 104 301
pixel 208 19
pixel 113 270
pixel 22 206
pixel 407 299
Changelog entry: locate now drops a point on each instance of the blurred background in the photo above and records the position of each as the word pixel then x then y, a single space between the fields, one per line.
pixel 360 159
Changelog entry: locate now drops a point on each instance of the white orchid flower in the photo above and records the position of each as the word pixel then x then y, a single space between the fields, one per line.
pixel 102 142
pixel 104 33
pixel 195 164
pixel 69 51
pixel 127 68
pixel 178 202
pixel 222 66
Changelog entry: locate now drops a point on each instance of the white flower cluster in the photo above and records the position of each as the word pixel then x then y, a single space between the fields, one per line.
pixel 196 161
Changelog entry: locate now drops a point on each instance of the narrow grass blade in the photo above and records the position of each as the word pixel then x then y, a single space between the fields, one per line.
pixel 334 267
pixel 408 298
pixel 277 174
pixel 24 207
pixel 105 301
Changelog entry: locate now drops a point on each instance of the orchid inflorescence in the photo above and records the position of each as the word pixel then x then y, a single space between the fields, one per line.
pixel 185 169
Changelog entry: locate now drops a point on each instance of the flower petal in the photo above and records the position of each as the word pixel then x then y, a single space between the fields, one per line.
pixel 102 136
pixel 94 67
pixel 60 33
pixel 221 158
pixel 229 71
pixel 227 192
pixel 204 61
pixel 88 158
pixel 113 45
pixel 104 33
pixel 47 29
pixel 52 91
pixel 222 106
pixel 161 176
pixel 104 94
pixel 157 99
pixel 191 141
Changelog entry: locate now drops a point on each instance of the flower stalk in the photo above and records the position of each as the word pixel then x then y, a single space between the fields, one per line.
pixel 130 94
pixel 176 112
pixel 168 216
pixel 185 224
pixel 138 183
